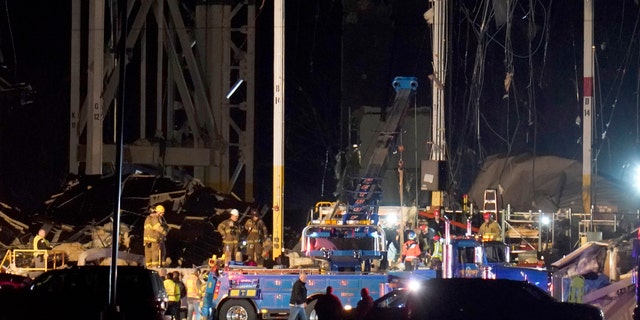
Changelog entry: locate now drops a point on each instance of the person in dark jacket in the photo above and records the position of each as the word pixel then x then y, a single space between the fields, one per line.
pixel 328 306
pixel 298 300
pixel 364 305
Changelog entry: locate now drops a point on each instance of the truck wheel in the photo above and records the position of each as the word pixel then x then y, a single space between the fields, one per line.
pixel 237 310
pixel 310 310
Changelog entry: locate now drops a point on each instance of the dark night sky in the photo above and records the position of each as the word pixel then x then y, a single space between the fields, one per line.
pixel 33 140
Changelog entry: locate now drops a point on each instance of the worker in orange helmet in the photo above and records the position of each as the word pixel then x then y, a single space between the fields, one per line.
pixel 489 230
pixel 411 252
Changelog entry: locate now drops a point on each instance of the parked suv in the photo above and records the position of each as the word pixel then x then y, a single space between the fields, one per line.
pixel 463 298
pixel 83 293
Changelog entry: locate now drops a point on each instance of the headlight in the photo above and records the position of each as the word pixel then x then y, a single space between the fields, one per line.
pixel 414 285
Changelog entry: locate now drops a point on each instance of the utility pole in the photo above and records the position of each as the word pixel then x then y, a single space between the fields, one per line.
pixel 439 46
pixel 278 126
pixel 587 106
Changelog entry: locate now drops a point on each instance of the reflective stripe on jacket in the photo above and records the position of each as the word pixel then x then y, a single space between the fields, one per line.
pixel 154 231
pixel 437 250
pixel 410 250
pixel 173 291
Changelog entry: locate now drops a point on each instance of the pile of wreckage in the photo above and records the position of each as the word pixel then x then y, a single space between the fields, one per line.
pixel 79 220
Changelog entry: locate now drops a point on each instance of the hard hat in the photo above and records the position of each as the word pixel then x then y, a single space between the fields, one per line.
pixel 411 235
pixel 487 215
pixel 235 212
pixel 159 209
pixel 436 238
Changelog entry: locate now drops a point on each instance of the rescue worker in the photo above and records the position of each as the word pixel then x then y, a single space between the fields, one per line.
pixel 298 300
pixel 230 231
pixel 194 294
pixel 155 233
pixel 410 252
pixel 489 230
pixel 365 304
pixel 184 308
pixel 436 255
pixel 437 224
pixel 328 306
pixel 424 236
pixel 173 294
pixel 256 231
pixel 40 243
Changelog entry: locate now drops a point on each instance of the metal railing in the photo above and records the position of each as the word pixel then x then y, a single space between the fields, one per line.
pixel 23 261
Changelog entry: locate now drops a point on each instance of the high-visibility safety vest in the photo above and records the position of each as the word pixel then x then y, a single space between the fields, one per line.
pixel 437 250
pixel 192 286
pixel 36 239
pixel 173 291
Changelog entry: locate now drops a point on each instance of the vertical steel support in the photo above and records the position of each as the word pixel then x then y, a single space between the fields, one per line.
pixel 74 99
pixel 95 85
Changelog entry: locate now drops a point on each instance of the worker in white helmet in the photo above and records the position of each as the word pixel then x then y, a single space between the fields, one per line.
pixel 230 230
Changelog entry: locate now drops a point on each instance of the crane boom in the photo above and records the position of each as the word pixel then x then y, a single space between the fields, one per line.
pixel 363 201
pixel 349 234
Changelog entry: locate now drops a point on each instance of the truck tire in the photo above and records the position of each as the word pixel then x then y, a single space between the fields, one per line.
pixel 310 310
pixel 236 309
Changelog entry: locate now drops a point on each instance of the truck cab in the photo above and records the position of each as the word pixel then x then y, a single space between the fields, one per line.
pixel 470 258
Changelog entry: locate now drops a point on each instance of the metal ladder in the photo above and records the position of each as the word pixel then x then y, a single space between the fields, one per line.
pixel 490 202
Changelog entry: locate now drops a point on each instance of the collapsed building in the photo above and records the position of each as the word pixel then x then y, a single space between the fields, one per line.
pixel 80 217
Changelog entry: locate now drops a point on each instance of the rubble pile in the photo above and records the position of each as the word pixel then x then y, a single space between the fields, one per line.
pixel 80 218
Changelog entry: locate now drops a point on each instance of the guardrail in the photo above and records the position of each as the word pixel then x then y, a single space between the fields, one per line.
pixel 23 261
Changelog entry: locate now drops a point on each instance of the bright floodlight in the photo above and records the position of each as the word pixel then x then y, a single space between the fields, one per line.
pixel 414 285
pixel 545 220
pixel 635 179
pixel 392 219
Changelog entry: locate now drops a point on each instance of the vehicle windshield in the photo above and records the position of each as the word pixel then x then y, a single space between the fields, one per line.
pixel 467 255
pixel 394 299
